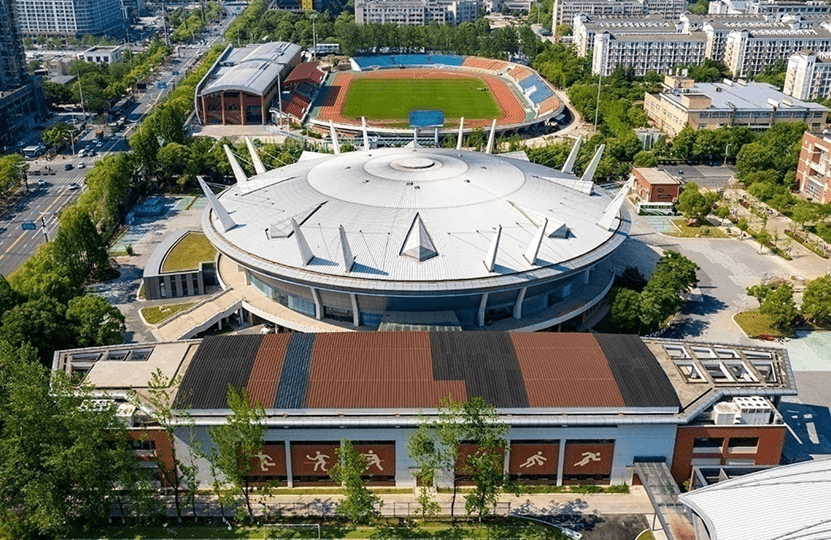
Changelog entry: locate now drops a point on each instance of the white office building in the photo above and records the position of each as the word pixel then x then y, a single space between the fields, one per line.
pixel 416 12
pixel 69 17
pixel 762 7
pixel 644 52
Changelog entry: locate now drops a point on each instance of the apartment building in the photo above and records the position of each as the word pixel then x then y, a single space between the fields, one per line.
pixel 416 12
pixel 566 10
pixel 586 27
pixel 712 105
pixel 808 75
pixel 69 17
pixel 659 52
pixel 749 51
pixel 762 7
pixel 813 174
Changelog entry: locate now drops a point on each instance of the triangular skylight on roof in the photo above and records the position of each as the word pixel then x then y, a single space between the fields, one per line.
pixel 418 245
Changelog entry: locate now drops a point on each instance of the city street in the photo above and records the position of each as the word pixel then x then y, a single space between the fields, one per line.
pixel 17 244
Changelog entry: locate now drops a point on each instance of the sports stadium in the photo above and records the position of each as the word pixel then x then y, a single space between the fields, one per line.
pixel 417 237
pixel 386 89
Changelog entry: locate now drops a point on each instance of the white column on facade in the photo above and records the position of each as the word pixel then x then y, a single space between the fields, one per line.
pixel 483 304
pixel 356 314
pixel 518 305
pixel 318 303
pixel 561 462
pixel 289 476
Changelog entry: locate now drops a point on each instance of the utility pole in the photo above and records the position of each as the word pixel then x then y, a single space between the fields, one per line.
pixel 81 93
pixel 43 225
pixel 164 24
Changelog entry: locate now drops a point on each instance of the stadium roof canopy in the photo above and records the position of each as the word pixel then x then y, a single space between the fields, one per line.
pixel 783 503
pixel 409 218
pixel 251 69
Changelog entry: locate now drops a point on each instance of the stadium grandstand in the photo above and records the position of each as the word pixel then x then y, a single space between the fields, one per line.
pixel 405 60
pixel 302 85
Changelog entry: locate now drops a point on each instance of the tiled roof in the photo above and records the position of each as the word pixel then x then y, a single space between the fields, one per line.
pixel 413 370
pixel 305 71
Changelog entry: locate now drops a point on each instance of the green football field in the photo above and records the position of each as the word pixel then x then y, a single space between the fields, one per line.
pixel 393 99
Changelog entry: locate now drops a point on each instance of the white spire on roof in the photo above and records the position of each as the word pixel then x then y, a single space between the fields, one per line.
pixel 568 168
pixel 461 133
pixel 255 157
pixel 306 254
pixel 224 219
pixel 366 134
pixel 418 245
pixel 348 259
pixel 534 247
pixel 588 176
pixel 491 138
pixel 335 145
pixel 239 174
pixel 490 258
pixel 610 213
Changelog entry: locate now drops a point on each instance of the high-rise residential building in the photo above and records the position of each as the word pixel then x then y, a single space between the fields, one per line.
pixel 808 75
pixel 813 173
pixel 13 72
pixel 69 17
pixel 416 12
pixel 565 10
pixel 646 52
pixel 762 7
pixel 749 51
pixel 712 105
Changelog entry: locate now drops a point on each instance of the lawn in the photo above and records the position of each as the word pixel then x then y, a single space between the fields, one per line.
pixel 513 528
pixel 157 314
pixel 394 99
pixel 754 323
pixel 705 231
pixel 191 250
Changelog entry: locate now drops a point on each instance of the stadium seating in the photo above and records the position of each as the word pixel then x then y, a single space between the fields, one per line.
pixel 536 90
pixel 404 60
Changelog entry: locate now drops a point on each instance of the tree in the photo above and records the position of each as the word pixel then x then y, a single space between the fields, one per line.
pixel 236 444
pixel 816 301
pixel 645 159
pixel 779 306
pixel 12 171
pixel 679 270
pixel 759 292
pixel 79 248
pixel 693 204
pixel 701 7
pixel 743 225
pixel 763 237
pixel 177 474
pixel 625 309
pixel 358 506
pixel 95 322
pixel 682 144
pixel 61 460
pixel 41 323
pixel 483 429
pixel 57 135
pixel 804 212
pixel 563 30
pixel 722 212
pixel 422 450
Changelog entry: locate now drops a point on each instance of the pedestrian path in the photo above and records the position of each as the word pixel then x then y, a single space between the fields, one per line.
pixel 661 224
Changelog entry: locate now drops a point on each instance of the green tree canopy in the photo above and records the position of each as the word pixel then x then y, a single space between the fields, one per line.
pixel 816 301
pixel 359 504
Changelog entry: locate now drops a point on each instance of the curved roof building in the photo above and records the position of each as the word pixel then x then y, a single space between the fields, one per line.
pixel 421 236
pixel 241 85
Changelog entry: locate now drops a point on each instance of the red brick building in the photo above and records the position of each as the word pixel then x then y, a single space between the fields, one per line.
pixel 813 174
pixel 655 186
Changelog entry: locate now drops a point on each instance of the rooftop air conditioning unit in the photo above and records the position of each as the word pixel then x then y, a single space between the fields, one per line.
pixel 726 413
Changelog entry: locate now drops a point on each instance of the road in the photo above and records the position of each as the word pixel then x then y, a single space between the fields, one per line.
pixel 17 244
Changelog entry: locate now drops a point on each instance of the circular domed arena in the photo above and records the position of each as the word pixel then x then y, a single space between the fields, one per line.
pixel 421 238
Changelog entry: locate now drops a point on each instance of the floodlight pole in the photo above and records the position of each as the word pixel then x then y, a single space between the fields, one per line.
pixel 313 16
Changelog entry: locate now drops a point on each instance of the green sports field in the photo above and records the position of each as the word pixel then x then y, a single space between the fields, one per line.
pixel 393 99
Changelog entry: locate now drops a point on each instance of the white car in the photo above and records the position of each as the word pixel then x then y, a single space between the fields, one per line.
pixel 82 165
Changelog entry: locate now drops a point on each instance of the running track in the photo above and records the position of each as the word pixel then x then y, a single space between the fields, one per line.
pixel 332 108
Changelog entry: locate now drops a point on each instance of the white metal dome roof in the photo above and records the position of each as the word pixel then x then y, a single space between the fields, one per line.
pixel 415 216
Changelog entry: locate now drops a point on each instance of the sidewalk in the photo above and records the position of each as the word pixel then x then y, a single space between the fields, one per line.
pixel 406 505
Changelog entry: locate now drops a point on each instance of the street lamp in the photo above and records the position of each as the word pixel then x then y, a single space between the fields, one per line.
pixel 726 150
pixel 313 16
